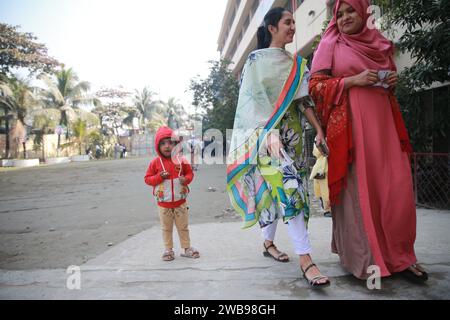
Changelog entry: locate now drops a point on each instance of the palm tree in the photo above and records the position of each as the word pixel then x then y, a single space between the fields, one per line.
pixel 175 112
pixel 16 100
pixel 80 132
pixel 65 91
pixel 157 107
pixel 43 124
pixel 143 102
pixel 131 113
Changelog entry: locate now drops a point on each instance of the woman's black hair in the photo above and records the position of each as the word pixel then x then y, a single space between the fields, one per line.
pixel 271 18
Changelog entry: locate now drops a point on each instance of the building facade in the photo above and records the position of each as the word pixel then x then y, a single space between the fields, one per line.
pixel 242 18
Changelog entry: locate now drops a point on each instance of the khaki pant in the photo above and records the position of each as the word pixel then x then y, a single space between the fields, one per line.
pixel 179 216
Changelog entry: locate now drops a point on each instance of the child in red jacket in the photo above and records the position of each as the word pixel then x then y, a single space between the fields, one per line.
pixel 170 175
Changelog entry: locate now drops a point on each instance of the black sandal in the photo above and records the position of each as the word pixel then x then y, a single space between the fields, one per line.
pixel 412 276
pixel 278 258
pixel 313 283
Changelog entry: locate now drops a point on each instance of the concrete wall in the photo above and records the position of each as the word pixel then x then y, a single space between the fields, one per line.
pixel 309 18
pixel 50 145
pixel 2 145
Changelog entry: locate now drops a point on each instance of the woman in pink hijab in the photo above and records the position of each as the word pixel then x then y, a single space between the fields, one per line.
pixel 369 176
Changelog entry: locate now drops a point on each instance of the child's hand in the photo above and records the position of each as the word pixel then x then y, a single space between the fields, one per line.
pixel 183 180
pixel 164 174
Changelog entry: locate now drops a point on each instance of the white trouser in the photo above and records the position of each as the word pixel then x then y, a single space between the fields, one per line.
pixel 297 232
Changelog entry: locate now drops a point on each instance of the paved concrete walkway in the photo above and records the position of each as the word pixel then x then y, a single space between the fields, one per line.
pixel 232 267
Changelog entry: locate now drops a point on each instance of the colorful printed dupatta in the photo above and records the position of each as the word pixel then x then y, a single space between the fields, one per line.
pixel 270 80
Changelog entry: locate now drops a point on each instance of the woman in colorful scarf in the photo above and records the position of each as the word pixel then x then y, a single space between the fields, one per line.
pixel 373 209
pixel 266 174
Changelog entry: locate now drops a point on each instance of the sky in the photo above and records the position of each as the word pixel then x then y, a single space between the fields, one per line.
pixel 133 43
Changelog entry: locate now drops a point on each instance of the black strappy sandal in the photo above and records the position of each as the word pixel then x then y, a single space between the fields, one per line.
pixel 313 283
pixel 412 276
pixel 277 258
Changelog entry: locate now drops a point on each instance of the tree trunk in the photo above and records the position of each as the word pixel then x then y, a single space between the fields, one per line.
pixel 7 144
pixel 61 122
pixel 58 145
pixel 43 147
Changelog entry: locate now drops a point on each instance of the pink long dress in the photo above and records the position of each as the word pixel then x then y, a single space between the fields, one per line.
pixel 375 223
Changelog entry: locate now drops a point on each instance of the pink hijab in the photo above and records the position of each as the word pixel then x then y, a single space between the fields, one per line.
pixel 371 49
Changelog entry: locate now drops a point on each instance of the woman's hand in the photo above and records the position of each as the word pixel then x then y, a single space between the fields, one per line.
pixel 321 143
pixel 320 137
pixel 392 79
pixel 365 78
pixel 274 144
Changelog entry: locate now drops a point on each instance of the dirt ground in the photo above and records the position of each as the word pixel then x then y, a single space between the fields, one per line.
pixel 61 215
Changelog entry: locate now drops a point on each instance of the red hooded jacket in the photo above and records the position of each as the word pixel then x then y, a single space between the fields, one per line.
pixel 169 193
